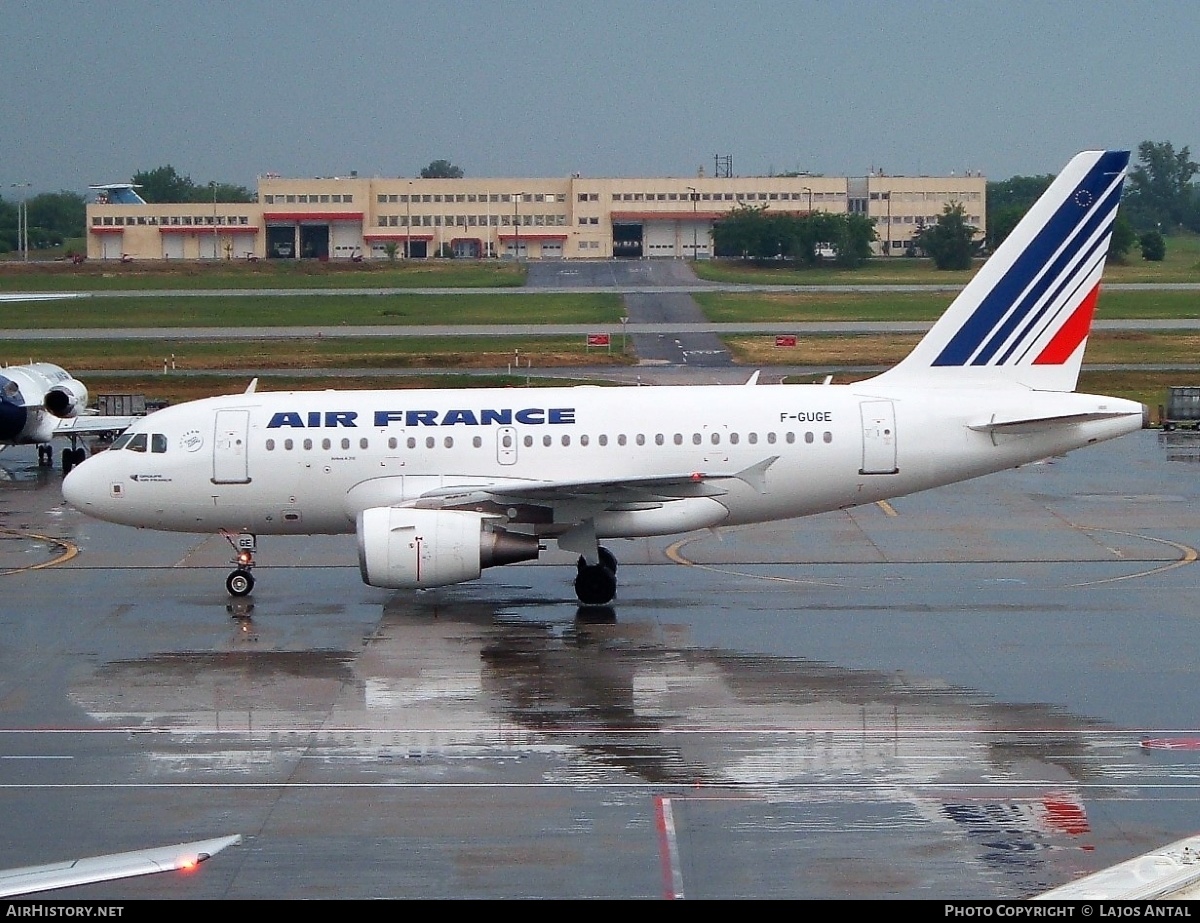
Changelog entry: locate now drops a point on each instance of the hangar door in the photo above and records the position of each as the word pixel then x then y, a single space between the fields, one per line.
pixel 347 239
pixel 172 246
pixel 661 239
pixel 281 241
pixel 110 246
pixel 627 239
pixel 314 241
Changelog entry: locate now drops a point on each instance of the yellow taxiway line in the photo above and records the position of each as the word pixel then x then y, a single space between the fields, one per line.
pixel 69 550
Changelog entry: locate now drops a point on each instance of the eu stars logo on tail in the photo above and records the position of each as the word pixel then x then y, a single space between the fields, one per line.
pixel 435 496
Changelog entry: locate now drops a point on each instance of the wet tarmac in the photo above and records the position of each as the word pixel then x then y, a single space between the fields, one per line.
pixel 983 691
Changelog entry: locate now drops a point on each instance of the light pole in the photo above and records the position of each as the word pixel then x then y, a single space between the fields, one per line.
pixel 809 191
pixel 23 221
pixel 695 243
pixel 408 222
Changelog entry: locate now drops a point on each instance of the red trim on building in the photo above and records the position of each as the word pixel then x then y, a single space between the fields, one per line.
pixel 208 229
pixel 397 237
pixel 525 236
pixel 312 216
pixel 107 229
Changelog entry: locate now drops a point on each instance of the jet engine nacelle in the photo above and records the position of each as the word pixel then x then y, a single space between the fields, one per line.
pixel 406 548
pixel 66 399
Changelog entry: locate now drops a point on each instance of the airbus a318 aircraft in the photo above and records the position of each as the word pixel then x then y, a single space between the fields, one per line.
pixel 40 401
pixel 439 484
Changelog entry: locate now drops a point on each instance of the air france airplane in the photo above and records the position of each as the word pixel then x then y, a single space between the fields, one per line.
pixel 439 484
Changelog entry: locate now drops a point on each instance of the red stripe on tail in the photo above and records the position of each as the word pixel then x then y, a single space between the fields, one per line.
pixel 1071 334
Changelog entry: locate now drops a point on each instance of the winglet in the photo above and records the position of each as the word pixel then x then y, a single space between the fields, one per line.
pixel 756 475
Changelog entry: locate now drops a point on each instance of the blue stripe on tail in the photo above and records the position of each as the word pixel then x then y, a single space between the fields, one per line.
pixel 990 324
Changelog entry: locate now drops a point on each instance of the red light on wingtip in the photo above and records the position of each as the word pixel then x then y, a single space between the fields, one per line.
pixel 697 476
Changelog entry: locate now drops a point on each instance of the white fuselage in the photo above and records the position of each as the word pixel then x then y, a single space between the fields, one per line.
pixel 309 462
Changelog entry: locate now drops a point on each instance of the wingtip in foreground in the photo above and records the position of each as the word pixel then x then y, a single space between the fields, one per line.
pixel 73 872
pixel 1169 873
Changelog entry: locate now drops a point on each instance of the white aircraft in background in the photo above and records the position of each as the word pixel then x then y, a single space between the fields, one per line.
pixel 439 484
pixel 40 401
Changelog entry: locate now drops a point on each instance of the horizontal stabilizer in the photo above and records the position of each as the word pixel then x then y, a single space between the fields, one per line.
pixel 1024 425
pixel 91 423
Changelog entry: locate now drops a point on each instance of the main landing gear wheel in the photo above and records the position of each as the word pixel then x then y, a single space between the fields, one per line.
pixel 71 458
pixel 239 583
pixel 596 584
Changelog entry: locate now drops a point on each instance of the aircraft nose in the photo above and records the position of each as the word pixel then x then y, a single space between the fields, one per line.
pixel 83 487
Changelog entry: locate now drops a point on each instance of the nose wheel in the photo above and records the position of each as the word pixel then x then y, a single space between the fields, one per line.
pixel 241 581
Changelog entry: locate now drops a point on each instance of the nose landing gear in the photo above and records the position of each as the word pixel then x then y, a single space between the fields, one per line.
pixel 240 581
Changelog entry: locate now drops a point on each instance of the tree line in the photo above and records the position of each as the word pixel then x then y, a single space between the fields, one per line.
pixel 750 232
pixel 53 217
pixel 1160 199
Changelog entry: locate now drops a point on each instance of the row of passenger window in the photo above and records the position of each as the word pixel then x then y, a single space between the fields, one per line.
pixel 508 440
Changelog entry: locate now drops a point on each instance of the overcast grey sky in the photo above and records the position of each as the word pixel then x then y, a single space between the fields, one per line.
pixel 94 91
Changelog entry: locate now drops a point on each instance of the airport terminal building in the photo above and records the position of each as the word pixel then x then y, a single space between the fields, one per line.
pixel 355 218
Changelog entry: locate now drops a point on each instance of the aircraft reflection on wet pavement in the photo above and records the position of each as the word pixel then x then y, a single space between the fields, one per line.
pixel 796 748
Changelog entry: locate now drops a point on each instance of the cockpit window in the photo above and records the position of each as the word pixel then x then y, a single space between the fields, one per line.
pixel 137 443
pixel 120 442
pixel 158 443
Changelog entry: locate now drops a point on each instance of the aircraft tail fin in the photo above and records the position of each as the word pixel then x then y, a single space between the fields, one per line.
pixel 1024 318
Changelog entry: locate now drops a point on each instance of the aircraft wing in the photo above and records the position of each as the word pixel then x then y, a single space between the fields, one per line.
pixel 91 423
pixel 607 492
pixel 1169 873
pixel 72 872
